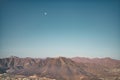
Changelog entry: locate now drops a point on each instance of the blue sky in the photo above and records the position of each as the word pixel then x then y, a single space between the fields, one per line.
pixel 70 28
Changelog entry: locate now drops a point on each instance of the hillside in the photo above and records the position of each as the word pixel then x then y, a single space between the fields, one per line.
pixel 62 68
pixel 101 67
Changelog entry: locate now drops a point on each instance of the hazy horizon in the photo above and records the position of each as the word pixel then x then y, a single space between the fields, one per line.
pixel 59 56
pixel 60 28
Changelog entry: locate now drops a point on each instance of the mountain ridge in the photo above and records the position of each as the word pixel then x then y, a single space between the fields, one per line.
pixel 61 67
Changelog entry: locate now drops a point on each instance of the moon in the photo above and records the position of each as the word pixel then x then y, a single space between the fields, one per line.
pixel 45 13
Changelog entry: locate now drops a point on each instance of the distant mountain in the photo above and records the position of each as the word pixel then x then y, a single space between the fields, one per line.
pixel 62 68
pixel 102 67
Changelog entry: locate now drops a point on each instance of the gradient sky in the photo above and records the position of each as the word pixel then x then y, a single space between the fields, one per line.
pixel 51 28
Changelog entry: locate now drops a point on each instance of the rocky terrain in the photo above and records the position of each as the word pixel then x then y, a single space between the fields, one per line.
pixel 62 68
pixel 104 68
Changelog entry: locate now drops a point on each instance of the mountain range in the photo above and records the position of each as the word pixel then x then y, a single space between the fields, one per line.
pixel 62 68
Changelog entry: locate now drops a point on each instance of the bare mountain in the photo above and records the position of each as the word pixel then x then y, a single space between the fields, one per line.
pixel 101 67
pixel 62 68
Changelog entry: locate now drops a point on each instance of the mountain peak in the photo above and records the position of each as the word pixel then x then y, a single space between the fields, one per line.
pixel 13 57
pixel 60 67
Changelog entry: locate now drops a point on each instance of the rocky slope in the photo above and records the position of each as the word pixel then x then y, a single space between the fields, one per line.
pixel 101 67
pixel 62 68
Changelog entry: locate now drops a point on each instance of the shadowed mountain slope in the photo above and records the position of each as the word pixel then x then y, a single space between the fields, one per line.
pixel 62 68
